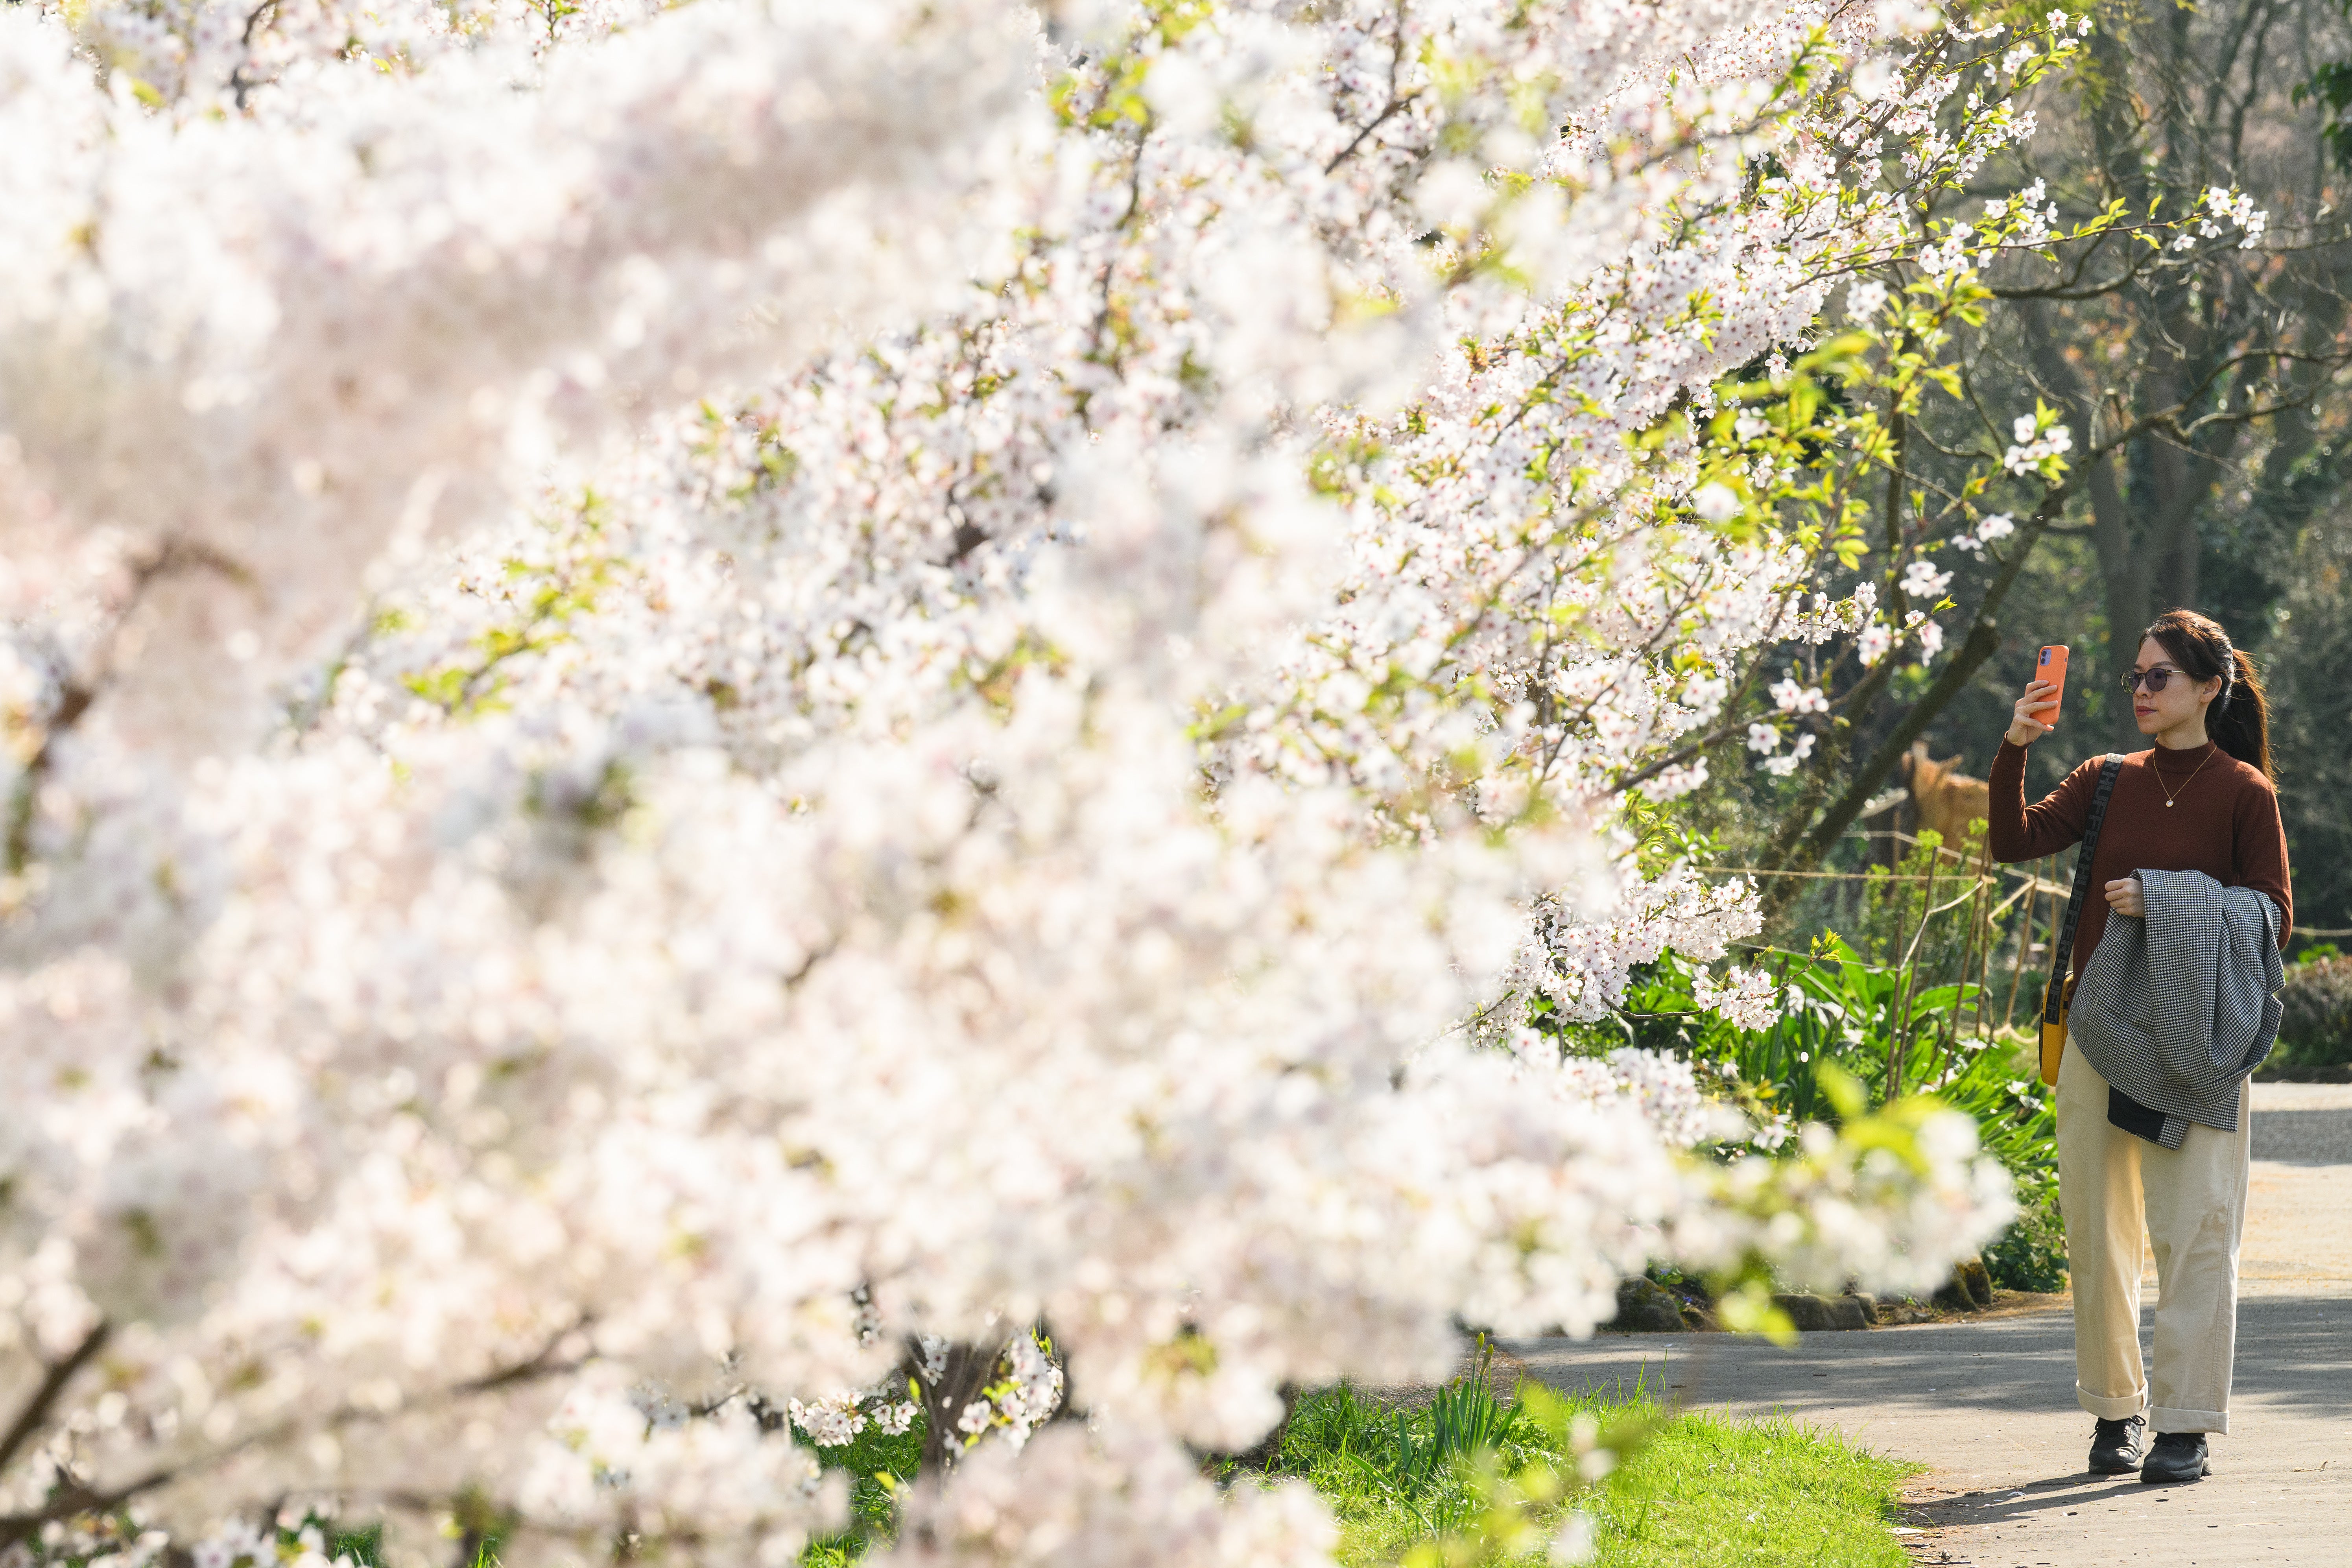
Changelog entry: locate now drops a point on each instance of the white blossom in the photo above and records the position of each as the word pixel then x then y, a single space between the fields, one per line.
pixel 1782 766
pixel 1922 580
pixel 1792 696
pixel 701 700
pixel 2031 448
pixel 1748 998
pixel 1716 503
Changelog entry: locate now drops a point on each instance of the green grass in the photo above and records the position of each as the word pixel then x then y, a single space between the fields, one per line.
pixel 1698 1489
pixel 1766 1491
pixel 876 1464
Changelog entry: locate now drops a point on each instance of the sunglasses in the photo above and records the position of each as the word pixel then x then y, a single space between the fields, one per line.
pixel 2154 678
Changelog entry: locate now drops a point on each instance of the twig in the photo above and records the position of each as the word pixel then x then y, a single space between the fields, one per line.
pixel 1373 124
pixel 37 1409
pixel 66 1502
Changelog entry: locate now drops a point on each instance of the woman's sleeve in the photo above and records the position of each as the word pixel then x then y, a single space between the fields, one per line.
pixel 2259 852
pixel 2016 831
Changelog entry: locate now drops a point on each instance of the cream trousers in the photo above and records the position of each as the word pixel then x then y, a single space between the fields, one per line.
pixel 2115 1187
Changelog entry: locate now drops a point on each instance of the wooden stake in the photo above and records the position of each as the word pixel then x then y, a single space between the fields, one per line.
pixel 1968 960
pixel 1984 955
pixel 1899 1049
pixel 2024 941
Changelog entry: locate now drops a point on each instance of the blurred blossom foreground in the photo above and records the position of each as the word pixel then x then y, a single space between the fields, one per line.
pixel 706 707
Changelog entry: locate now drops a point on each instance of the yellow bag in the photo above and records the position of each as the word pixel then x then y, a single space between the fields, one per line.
pixel 2053 1036
pixel 2058 995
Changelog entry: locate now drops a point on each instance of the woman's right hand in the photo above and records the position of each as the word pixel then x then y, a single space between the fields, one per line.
pixel 2024 728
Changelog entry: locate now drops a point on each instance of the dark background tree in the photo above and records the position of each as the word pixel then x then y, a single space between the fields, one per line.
pixel 2212 464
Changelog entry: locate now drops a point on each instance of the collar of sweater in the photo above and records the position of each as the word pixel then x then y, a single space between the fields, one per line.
pixel 2171 763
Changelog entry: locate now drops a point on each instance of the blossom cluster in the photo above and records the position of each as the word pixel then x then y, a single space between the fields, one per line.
pixel 694 694
pixel 836 1422
pixel 2234 207
pixel 1663 1089
pixel 2036 442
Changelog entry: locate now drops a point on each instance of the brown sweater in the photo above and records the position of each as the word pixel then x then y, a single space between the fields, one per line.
pixel 2223 822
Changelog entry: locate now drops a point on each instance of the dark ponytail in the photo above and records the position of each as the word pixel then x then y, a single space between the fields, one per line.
pixel 2240 719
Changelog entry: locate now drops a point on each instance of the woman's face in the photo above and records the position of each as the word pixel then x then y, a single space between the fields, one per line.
pixel 2181 700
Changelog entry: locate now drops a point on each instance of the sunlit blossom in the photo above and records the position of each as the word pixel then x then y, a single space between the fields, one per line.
pixel 703 701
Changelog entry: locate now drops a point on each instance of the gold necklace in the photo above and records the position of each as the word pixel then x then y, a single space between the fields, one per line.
pixel 2172 795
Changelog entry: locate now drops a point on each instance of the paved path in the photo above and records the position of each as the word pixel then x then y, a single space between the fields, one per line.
pixel 1990 1405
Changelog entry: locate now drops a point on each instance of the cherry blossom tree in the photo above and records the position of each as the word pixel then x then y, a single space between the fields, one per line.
pixel 712 708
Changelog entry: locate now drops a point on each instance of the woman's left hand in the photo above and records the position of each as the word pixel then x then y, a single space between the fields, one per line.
pixel 2124 898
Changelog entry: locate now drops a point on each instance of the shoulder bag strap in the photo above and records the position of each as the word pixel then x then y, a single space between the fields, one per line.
pixel 2054 996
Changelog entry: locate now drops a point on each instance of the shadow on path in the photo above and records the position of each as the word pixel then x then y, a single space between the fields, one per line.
pixel 2294 1352
pixel 1989 1409
pixel 2066 1496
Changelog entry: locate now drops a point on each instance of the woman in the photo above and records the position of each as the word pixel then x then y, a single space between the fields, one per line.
pixel 2200 799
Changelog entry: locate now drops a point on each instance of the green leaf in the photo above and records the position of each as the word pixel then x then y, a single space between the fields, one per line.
pixel 1843 1090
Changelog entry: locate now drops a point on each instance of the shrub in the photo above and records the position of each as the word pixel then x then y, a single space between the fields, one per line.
pixel 1898 1031
pixel 2031 1254
pixel 2317 1030
pixel 1889 1027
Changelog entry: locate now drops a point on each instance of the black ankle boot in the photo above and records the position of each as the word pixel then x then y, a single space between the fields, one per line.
pixel 2176 1457
pixel 2117 1446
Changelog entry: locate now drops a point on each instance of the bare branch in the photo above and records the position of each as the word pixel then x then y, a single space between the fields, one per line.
pixel 35 1412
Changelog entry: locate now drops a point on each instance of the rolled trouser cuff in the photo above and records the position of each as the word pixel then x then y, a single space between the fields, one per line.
pixel 2114 1406
pixel 2161 1419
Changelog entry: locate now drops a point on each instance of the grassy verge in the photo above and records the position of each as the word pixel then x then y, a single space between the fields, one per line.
pixel 1695 1489
pixel 1401 1476
pixel 1724 1492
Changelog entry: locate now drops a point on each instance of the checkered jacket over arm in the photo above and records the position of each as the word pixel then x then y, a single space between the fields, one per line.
pixel 2175 1009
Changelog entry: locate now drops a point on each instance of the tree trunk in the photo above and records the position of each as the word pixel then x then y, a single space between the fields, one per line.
pixel 946 1398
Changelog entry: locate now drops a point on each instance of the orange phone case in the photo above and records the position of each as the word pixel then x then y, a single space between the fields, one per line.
pixel 2053 667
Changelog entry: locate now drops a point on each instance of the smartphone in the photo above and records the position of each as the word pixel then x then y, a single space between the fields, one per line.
pixel 2052 668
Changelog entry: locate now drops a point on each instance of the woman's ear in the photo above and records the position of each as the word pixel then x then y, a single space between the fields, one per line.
pixel 2208 689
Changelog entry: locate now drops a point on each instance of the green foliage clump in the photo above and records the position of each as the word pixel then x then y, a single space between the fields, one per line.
pixel 1877 1023
pixel 2316 1029
pixel 1398 1474
pixel 1893 1027
pixel 2031 1254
